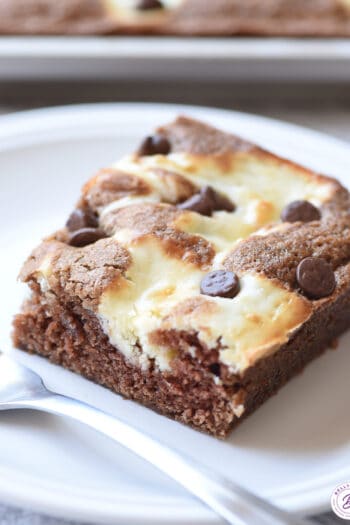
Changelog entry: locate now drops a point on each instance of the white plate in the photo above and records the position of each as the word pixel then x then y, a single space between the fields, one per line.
pixel 233 59
pixel 294 450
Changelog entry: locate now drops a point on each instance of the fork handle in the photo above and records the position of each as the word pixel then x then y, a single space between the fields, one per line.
pixel 233 503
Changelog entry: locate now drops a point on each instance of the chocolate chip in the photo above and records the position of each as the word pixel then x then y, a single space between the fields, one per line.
pixel 154 145
pixel 315 277
pixel 207 201
pixel 81 218
pixel 144 5
pixel 215 369
pixel 223 203
pixel 302 211
pixel 220 283
pixel 85 236
pixel 201 202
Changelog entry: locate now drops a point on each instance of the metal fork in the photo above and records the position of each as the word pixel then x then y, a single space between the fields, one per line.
pixel 22 388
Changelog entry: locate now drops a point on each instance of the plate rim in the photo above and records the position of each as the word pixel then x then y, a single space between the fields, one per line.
pixel 311 496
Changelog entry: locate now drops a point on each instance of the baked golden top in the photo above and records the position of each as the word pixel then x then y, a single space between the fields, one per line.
pixel 192 201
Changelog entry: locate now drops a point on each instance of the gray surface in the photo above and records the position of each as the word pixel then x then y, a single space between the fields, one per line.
pixel 11 516
pixel 325 108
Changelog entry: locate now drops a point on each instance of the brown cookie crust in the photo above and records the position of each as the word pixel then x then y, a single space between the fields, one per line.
pixel 78 274
pixel 191 136
pixel 278 254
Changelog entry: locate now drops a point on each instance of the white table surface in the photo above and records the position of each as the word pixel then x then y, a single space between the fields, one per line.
pixel 324 108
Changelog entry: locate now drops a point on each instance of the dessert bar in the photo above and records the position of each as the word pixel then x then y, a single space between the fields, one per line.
pixel 196 276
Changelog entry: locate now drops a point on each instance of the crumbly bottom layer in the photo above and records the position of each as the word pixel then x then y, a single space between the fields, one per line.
pixel 71 336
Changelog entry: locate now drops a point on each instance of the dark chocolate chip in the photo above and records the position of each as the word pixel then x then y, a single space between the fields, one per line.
pixel 144 5
pixel 302 211
pixel 154 145
pixel 315 277
pixel 220 283
pixel 85 236
pixel 207 201
pixel 81 218
pixel 223 203
pixel 202 202
pixel 215 369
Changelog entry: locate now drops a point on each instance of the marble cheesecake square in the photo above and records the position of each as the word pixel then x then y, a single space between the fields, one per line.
pixel 196 276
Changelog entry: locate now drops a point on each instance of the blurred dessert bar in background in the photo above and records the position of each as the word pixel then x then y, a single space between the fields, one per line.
pixel 313 18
